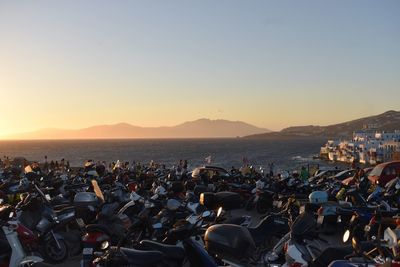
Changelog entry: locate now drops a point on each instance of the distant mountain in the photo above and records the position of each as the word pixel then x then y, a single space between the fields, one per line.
pixel 387 121
pixel 202 128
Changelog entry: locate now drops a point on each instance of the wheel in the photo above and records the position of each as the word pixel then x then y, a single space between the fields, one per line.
pixel 54 254
pixel 73 241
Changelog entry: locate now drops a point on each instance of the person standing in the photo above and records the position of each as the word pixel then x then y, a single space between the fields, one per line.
pixel 304 175
pixel 46 164
pixel 271 169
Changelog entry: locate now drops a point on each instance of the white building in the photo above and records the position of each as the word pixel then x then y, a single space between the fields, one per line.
pixel 367 147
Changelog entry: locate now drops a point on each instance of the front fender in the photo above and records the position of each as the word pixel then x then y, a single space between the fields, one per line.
pixel 29 261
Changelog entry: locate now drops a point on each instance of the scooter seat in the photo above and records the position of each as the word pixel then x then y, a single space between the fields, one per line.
pixel 268 226
pixel 98 228
pixel 142 258
pixel 169 251
pixel 62 206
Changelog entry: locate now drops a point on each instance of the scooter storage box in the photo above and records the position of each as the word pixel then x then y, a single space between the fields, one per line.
pixel 229 241
pixel 318 197
pixel 226 200
pixel 86 199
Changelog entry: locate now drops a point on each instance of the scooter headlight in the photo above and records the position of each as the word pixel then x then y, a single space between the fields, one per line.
pixel 104 245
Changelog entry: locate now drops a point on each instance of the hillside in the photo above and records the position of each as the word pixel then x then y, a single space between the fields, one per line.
pixel 387 121
pixel 202 128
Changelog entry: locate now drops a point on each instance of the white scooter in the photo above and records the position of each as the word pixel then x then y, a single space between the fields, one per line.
pixel 18 256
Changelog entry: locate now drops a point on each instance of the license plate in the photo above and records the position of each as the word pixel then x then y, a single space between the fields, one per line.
pixel 320 219
pixel 87 251
pixel 80 222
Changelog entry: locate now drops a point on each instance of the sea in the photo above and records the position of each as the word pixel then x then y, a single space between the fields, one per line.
pixel 285 154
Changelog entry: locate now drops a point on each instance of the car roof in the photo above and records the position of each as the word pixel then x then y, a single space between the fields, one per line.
pixel 214 168
pixel 383 165
pixel 343 172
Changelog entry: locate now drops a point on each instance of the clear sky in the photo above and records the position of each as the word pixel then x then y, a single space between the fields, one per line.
pixel 72 63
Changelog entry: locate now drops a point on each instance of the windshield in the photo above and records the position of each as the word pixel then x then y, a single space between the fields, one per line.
pixel 376 171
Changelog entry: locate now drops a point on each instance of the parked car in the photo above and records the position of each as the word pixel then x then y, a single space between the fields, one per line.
pixel 344 174
pixel 350 181
pixel 324 173
pixel 210 171
pixel 385 172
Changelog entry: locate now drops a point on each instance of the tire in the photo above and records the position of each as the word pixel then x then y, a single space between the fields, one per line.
pixel 52 253
pixel 73 241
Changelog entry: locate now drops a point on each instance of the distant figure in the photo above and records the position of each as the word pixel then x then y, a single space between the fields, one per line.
pixel 46 164
pixel 304 175
pixel 271 169
pixel 185 164
pixel 52 165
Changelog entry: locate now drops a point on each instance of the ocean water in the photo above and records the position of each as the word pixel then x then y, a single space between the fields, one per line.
pixel 286 154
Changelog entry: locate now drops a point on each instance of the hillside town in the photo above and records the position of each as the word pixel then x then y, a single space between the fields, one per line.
pixel 368 146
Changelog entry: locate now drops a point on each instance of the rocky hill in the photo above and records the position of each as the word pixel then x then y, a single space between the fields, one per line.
pixel 387 121
pixel 202 128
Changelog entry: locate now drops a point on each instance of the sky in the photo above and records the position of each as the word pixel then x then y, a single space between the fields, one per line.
pixel 274 64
